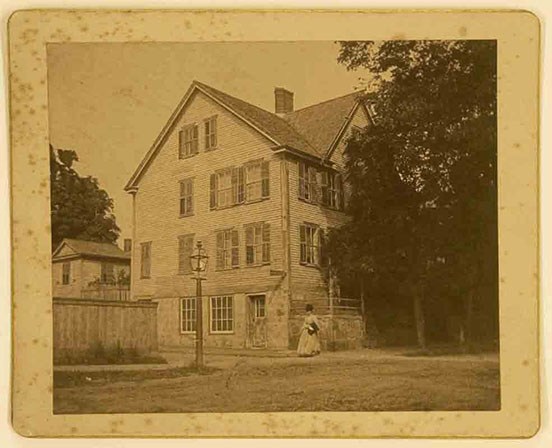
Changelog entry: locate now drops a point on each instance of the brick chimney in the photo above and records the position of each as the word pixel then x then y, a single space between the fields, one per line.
pixel 127 245
pixel 283 100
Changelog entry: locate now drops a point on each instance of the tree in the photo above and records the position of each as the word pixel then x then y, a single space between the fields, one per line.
pixel 79 207
pixel 423 178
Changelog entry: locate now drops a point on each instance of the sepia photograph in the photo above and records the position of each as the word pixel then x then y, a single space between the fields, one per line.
pixel 274 226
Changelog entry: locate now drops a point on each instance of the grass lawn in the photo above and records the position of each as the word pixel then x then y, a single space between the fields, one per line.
pixel 326 383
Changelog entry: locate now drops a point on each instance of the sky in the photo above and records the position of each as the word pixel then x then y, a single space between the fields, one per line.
pixel 109 101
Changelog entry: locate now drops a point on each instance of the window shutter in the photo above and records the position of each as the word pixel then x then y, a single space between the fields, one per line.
pixel 303 243
pixel 213 195
pixel 190 201
pixel 181 137
pixel 214 132
pixel 241 184
pixel 235 179
pixel 339 192
pixel 266 243
pixel 265 175
pixel 322 247
pixel 313 184
pixel 195 139
pixel 324 187
pixel 235 249
pixel 302 180
pixel 220 250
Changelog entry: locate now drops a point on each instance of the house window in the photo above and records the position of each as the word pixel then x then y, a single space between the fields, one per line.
pixel 222 314
pixel 145 259
pixel 211 133
pixel 188 315
pixel 308 185
pixel 221 189
pixel 66 273
pixel 228 250
pixel 188 141
pixel 257 244
pixel 185 249
pixel 311 245
pixel 260 306
pixel 332 190
pixel 186 197
pixel 107 275
pixel 237 185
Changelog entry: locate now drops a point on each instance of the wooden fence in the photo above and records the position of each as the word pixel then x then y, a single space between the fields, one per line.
pixel 113 293
pixel 92 328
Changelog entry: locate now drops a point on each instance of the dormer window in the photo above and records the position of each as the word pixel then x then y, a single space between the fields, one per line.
pixel 211 133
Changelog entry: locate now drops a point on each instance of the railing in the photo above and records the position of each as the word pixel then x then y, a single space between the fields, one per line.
pixel 328 306
pixel 116 293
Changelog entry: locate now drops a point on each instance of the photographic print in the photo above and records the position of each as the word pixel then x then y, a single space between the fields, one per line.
pixel 348 227
pixel 274 227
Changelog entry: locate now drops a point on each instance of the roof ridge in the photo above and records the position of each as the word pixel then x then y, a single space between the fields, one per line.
pixel 323 102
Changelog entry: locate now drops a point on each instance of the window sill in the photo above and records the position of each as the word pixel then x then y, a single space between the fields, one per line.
pixel 211 149
pixel 310 265
pixel 308 201
pixel 214 333
pixel 189 156
pixel 255 201
pixel 144 278
pixel 188 333
pixel 186 215
pixel 233 268
pixel 257 265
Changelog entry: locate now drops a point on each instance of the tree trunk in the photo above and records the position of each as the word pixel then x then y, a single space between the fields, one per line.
pixel 468 323
pixel 419 319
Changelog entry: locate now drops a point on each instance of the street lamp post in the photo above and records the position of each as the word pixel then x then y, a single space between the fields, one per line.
pixel 198 260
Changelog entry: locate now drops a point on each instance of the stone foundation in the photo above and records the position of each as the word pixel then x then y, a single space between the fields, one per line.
pixel 337 332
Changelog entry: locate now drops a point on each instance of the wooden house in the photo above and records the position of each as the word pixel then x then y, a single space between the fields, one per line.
pixel 259 189
pixel 90 270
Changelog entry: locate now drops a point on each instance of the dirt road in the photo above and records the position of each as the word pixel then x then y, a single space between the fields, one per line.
pixel 327 383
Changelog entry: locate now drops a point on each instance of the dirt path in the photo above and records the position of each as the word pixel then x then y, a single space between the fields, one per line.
pixel 332 383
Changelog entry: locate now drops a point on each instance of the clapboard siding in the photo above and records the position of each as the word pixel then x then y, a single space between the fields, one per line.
pixel 157 206
pixel 307 281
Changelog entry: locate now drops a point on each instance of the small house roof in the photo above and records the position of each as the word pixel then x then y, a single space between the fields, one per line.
pixel 92 249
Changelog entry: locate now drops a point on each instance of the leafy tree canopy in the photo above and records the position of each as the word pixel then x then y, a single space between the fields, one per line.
pixel 423 177
pixel 79 207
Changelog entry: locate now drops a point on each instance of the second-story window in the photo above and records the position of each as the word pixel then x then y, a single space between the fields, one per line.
pixel 228 249
pixel 257 180
pixel 145 260
pixel 257 244
pixel 332 190
pixel 186 197
pixel 211 133
pixel 237 185
pixel 308 185
pixel 188 141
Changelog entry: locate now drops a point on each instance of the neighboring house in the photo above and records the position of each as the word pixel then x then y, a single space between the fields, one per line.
pixel 86 269
pixel 260 190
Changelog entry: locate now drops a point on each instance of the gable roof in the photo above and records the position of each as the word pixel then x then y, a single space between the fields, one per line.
pixel 312 131
pixel 92 249
pixel 322 124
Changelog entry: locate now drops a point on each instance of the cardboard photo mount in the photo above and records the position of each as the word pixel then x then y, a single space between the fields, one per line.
pixel 518 36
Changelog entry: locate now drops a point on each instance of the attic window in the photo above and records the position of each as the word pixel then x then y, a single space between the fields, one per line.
pixel 211 133
pixel 188 141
